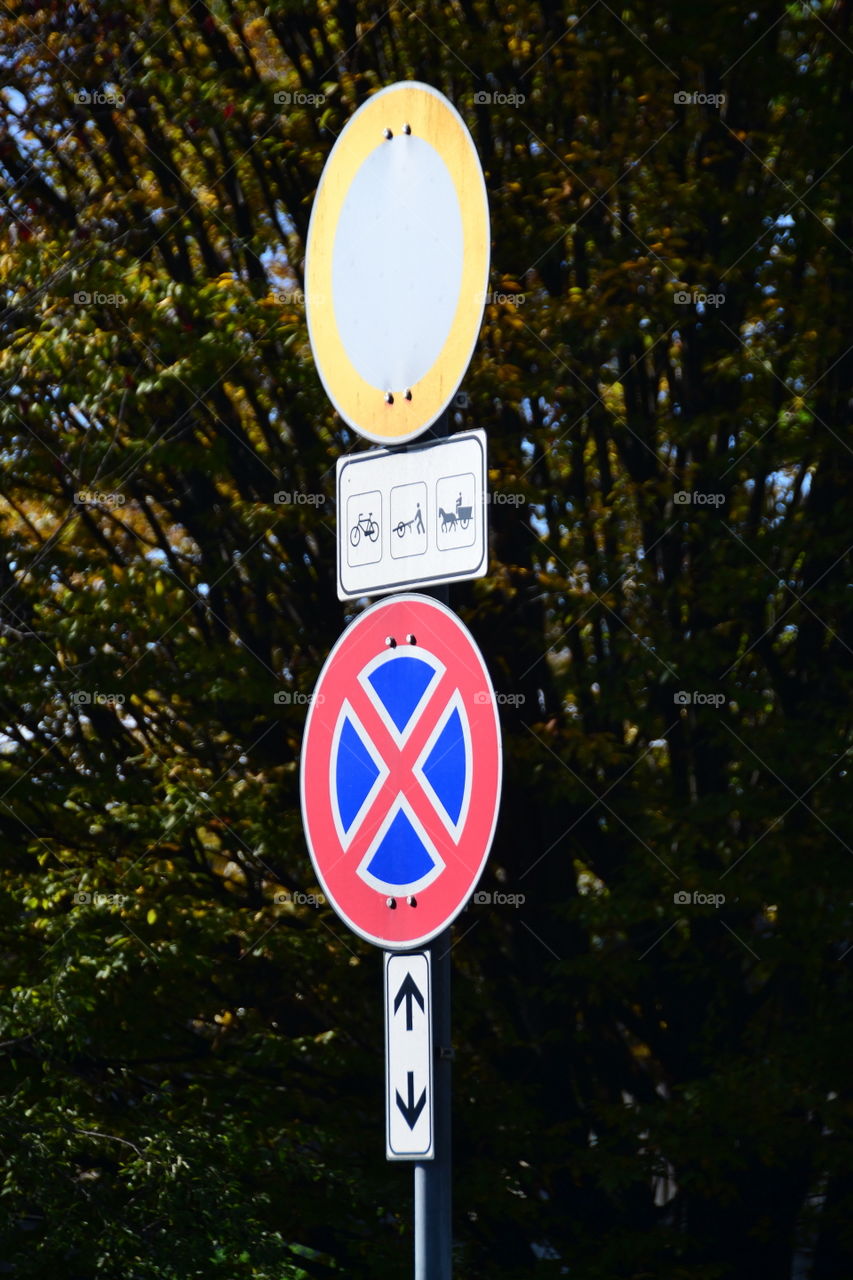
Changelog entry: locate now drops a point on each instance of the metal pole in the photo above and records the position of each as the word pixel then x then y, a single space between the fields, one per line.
pixel 433 1199
pixel 433 1236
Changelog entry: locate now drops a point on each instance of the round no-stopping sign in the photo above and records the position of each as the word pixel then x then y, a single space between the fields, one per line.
pixel 401 771
pixel 397 263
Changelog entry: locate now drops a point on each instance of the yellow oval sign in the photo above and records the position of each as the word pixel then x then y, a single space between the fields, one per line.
pixel 397 263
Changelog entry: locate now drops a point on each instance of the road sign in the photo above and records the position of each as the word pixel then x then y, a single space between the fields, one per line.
pixel 411 517
pixel 401 771
pixel 408 1057
pixel 397 262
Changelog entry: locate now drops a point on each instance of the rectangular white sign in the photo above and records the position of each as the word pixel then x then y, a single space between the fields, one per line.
pixel 408 1056
pixel 412 516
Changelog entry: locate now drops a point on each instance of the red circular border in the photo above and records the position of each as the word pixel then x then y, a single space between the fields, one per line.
pixel 361 907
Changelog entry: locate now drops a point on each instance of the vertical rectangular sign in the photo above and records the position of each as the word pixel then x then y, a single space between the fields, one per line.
pixel 408 1056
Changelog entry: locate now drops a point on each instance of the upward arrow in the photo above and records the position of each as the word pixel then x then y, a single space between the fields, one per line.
pixel 411 1109
pixel 409 991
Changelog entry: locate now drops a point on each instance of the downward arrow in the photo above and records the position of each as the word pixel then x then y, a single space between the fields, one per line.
pixel 409 991
pixel 411 1109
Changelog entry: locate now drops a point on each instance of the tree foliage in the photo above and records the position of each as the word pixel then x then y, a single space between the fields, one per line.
pixel 191 1070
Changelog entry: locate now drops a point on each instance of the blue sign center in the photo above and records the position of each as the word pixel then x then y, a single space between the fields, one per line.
pixel 402 858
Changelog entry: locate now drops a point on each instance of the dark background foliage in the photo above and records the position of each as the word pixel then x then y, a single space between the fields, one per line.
pixel 191 1072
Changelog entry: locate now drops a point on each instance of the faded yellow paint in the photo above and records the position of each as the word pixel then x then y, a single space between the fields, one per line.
pixel 362 404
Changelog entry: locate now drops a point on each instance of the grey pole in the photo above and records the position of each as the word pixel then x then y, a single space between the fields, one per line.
pixel 433 1200
pixel 433 1236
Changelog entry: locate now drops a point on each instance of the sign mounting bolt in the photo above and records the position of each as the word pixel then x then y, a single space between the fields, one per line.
pixel 410 639
pixel 407 395
pixel 388 134
pixel 407 129
pixel 412 901
pixel 389 399
pixel 391 902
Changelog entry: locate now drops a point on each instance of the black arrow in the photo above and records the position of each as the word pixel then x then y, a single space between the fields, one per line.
pixel 411 1109
pixel 409 991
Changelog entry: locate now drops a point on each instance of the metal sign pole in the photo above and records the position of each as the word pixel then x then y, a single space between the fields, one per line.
pixel 391 361
pixel 433 1237
pixel 433 1198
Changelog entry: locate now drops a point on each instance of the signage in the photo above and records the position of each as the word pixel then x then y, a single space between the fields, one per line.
pixel 401 771
pixel 407 518
pixel 408 1057
pixel 397 263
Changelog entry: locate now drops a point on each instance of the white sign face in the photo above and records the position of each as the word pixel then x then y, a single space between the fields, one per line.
pixel 397 262
pixel 412 517
pixel 408 1056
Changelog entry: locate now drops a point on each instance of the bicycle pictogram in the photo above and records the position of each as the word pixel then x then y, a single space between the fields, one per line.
pixel 365 525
